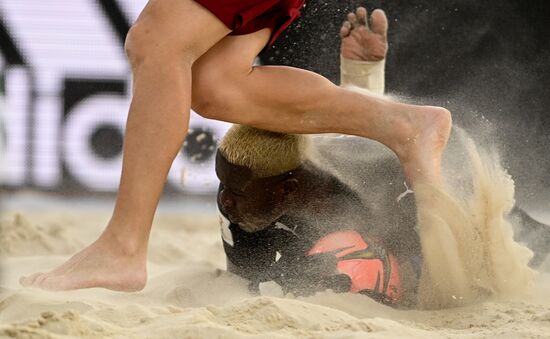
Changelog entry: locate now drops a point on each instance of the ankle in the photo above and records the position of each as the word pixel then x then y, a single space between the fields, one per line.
pixel 128 245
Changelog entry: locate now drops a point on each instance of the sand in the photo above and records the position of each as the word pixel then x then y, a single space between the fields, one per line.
pixel 467 242
pixel 188 294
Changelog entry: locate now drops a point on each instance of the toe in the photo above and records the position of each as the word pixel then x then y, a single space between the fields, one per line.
pixel 379 22
pixel 39 280
pixel 352 18
pixel 361 14
pixel 29 280
pixel 345 29
pixel 54 283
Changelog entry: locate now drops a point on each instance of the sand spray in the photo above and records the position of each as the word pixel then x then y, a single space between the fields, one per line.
pixel 467 242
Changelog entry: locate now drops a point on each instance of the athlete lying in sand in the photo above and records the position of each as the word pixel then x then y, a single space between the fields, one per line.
pixel 286 219
pixel 200 54
pixel 267 236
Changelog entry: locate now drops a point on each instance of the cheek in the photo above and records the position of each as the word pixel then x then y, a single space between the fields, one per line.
pixel 273 208
pixel 262 207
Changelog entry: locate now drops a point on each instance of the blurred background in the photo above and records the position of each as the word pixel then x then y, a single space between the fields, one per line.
pixel 66 85
pixel 67 93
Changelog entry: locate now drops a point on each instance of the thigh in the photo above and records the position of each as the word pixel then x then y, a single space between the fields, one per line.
pixel 177 26
pixel 248 16
pixel 232 55
pixel 226 65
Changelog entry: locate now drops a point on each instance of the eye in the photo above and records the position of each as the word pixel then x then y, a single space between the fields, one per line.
pixel 231 191
pixel 234 192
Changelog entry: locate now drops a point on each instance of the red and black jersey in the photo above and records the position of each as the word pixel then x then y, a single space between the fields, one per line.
pixel 300 259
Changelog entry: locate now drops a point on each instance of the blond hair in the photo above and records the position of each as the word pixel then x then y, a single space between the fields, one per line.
pixel 266 153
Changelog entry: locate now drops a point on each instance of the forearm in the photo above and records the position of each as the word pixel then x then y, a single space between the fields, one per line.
pixel 364 74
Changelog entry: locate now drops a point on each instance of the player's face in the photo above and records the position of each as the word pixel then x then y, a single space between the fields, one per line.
pixel 252 203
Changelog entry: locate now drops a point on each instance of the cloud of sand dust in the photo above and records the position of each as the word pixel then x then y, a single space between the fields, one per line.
pixel 467 242
pixel 467 239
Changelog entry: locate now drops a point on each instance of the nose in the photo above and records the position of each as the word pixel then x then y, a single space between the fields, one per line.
pixel 229 205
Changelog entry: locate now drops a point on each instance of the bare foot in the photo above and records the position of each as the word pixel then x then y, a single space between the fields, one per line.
pixel 102 264
pixel 364 38
pixel 423 132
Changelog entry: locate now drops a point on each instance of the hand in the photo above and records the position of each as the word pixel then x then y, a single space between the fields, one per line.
pixel 364 41
pixel 303 276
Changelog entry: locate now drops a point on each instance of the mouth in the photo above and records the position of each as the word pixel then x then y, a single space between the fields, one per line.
pixel 233 219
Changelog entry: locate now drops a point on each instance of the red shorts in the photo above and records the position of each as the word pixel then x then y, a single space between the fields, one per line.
pixel 248 16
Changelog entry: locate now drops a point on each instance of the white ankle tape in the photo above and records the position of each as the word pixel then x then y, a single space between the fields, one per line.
pixel 364 74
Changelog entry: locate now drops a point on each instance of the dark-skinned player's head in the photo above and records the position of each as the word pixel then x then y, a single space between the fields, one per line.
pixel 258 174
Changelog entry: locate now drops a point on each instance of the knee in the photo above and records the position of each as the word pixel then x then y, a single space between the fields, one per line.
pixel 214 95
pixel 146 41
pixel 137 44
pixel 214 102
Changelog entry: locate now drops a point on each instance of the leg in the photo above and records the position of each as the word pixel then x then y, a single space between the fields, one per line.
pixel 161 46
pixel 227 87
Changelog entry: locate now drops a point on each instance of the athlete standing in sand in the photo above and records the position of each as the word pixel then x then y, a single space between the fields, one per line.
pixel 199 54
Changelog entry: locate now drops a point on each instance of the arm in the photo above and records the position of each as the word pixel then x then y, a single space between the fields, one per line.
pixel 363 50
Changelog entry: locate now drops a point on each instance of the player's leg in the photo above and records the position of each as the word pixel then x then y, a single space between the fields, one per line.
pixel 227 87
pixel 167 38
pixel 161 62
